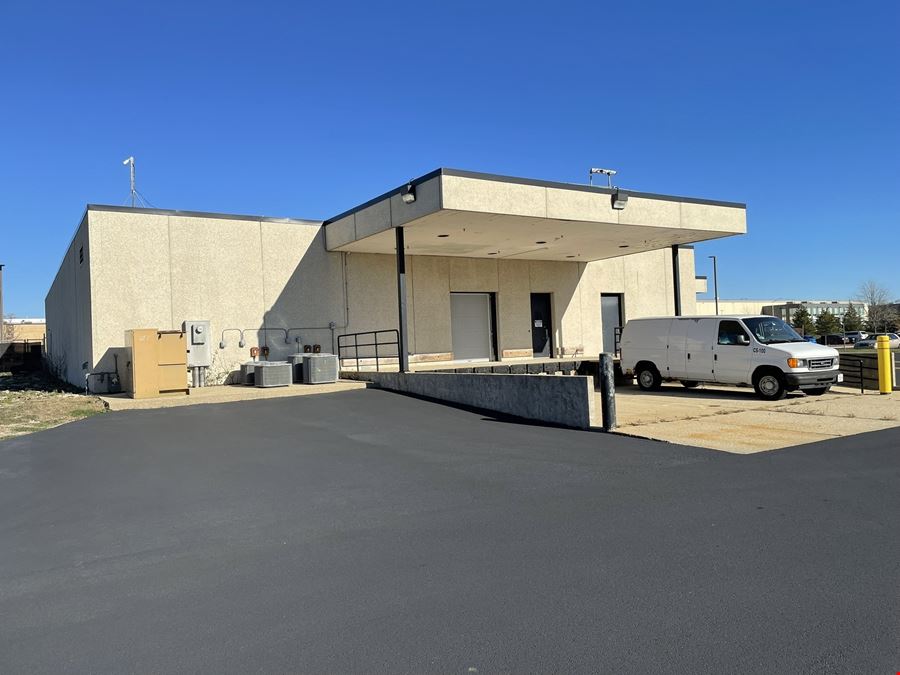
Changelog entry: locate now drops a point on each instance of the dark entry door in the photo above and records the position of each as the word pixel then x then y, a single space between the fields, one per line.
pixel 541 325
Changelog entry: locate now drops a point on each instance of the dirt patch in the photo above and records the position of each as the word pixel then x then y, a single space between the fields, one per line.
pixel 32 402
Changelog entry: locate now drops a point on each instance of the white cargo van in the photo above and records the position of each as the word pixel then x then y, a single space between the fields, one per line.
pixel 760 350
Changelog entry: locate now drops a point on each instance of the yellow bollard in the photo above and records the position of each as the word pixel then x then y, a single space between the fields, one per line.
pixel 885 376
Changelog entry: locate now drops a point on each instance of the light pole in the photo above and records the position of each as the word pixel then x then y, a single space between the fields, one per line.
pixel 715 282
pixel 2 331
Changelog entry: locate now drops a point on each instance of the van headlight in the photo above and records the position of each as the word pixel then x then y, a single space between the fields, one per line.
pixel 796 363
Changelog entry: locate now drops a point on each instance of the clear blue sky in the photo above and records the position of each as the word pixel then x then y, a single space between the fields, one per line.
pixel 306 109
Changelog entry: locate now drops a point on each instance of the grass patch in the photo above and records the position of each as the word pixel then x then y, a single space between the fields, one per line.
pixel 32 427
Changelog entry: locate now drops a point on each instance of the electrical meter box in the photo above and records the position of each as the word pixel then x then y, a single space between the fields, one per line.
pixel 199 350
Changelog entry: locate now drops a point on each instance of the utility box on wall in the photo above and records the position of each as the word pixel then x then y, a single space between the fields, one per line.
pixel 158 362
pixel 199 353
pixel 143 355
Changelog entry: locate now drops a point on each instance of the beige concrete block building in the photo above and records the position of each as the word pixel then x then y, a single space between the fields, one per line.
pixel 492 268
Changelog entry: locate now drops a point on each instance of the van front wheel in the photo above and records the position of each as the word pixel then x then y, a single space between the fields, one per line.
pixel 648 378
pixel 769 386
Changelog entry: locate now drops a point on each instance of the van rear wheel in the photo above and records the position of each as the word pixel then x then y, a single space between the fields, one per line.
pixel 769 386
pixel 818 391
pixel 690 384
pixel 648 378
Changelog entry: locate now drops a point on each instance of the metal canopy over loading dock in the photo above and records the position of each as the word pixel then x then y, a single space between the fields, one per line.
pixel 476 215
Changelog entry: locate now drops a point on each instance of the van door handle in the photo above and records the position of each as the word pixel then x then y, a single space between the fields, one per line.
pixel 689 357
pixel 715 357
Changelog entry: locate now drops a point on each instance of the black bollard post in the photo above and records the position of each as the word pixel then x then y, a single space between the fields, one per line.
pixel 608 392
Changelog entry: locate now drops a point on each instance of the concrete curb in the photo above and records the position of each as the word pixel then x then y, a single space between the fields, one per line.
pixel 562 400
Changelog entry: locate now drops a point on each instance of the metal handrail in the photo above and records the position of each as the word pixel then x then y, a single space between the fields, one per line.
pixel 343 340
pixel 859 366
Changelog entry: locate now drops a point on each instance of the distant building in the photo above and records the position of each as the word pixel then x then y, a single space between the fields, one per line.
pixel 783 309
pixel 21 330
pixel 733 306
pixel 838 308
pixel 21 344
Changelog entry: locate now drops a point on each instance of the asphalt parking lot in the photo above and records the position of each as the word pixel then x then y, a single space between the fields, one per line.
pixel 365 531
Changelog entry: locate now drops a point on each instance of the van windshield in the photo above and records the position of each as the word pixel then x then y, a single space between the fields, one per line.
pixel 769 330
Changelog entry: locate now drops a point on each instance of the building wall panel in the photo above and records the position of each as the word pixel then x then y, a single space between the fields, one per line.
pixel 130 280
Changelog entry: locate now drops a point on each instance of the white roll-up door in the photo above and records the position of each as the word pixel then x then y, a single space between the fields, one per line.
pixel 470 321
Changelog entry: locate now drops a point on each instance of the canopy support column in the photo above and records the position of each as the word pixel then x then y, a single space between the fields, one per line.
pixel 403 351
pixel 676 276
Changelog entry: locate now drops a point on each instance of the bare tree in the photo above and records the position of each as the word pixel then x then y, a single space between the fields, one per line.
pixel 8 330
pixel 877 300
pixel 56 365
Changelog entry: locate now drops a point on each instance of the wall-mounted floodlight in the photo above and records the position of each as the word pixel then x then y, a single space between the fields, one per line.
pixel 619 200
pixel 609 173
pixel 408 193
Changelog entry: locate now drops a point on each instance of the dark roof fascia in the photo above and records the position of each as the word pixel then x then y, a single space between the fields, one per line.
pixel 198 214
pixel 386 195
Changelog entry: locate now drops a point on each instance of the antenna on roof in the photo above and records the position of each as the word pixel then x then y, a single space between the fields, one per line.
pixel 130 161
pixel 134 195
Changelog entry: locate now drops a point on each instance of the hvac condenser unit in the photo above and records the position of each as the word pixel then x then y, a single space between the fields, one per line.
pixel 273 374
pixel 248 373
pixel 320 368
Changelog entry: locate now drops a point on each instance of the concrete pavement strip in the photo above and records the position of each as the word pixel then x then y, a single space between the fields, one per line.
pixel 733 420
pixel 225 394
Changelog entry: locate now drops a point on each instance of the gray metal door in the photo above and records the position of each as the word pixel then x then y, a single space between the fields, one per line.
pixel 610 319
pixel 470 325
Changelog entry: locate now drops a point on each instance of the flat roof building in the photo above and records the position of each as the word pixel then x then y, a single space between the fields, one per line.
pixel 783 309
pixel 492 268
pixel 24 329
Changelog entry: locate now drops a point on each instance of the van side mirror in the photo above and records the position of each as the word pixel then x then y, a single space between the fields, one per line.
pixel 743 340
